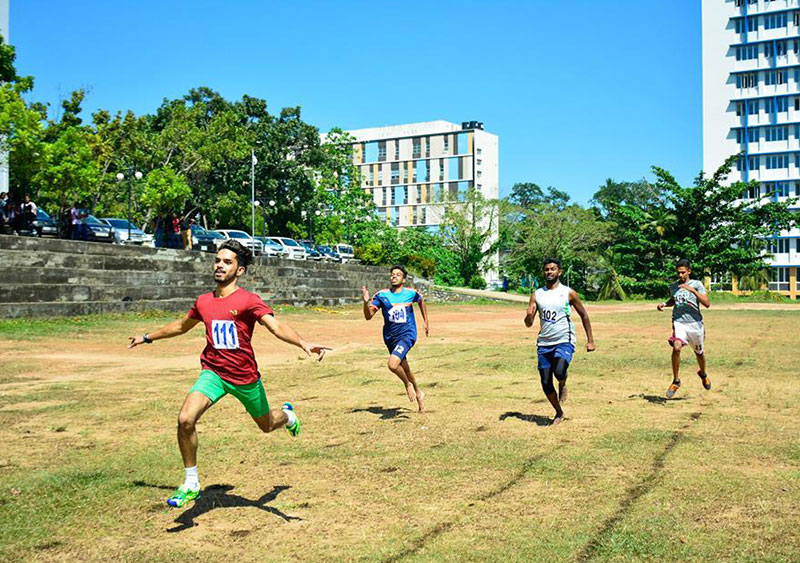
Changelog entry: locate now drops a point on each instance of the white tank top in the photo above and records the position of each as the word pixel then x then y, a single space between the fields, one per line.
pixel 554 316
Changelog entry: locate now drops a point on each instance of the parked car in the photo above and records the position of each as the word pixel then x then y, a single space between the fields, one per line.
pixel 255 245
pixel 205 240
pixel 44 225
pixel 311 252
pixel 122 229
pixel 328 253
pixel 272 248
pixel 295 249
pixel 92 228
pixel 345 251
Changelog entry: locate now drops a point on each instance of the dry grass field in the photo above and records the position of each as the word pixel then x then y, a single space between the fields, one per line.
pixel 89 454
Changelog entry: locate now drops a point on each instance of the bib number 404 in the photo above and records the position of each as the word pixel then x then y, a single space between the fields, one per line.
pixel 225 335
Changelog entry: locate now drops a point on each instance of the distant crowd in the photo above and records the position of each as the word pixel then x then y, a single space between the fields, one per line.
pixel 16 216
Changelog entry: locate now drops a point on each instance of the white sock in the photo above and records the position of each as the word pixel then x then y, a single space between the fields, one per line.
pixel 191 482
pixel 292 417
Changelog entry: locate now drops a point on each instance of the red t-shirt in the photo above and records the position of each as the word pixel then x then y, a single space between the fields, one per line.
pixel 229 328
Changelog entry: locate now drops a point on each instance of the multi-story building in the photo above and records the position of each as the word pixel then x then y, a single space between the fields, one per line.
pixel 3 154
pixel 751 105
pixel 412 170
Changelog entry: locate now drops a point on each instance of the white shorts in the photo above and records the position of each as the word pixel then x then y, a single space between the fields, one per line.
pixel 693 334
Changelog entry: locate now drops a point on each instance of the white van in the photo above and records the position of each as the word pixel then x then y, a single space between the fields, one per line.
pixel 345 251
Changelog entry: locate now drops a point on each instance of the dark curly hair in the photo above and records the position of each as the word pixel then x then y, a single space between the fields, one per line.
pixel 244 256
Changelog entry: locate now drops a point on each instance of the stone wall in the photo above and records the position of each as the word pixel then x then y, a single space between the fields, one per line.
pixel 49 277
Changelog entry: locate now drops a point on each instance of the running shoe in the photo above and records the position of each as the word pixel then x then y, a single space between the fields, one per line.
pixel 294 429
pixel 706 381
pixel 673 388
pixel 182 496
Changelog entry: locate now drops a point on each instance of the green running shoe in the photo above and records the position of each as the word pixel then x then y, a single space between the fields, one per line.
pixel 294 429
pixel 182 496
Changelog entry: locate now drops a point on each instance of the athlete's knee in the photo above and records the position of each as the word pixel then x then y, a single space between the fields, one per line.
pixel 560 369
pixel 186 421
pixel 546 376
pixel 676 346
pixel 394 362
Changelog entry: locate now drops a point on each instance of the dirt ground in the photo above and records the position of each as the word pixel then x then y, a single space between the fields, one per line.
pixel 89 453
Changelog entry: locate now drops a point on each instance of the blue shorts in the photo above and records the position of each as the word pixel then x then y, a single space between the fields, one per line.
pixel 399 347
pixel 548 354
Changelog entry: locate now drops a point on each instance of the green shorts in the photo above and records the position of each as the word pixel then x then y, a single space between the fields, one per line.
pixel 252 395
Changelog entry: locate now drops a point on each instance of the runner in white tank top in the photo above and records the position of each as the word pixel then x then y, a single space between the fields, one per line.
pixel 556 341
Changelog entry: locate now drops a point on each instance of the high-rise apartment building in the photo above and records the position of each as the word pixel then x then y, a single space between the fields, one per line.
pixel 4 155
pixel 751 105
pixel 412 170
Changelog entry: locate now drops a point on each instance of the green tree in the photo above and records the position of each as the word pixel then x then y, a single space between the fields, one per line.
pixel 468 230
pixel 166 191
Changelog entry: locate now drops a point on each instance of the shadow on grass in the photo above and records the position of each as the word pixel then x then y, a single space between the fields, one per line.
pixel 656 399
pixel 217 496
pixel 385 414
pixel 538 419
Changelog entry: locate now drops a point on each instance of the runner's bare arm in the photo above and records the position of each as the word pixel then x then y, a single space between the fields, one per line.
pixel 369 308
pixel 701 297
pixel 530 313
pixel 286 333
pixel 423 307
pixel 668 303
pixel 175 328
pixel 576 302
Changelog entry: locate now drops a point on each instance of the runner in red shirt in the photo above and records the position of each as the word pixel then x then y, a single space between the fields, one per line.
pixel 229 314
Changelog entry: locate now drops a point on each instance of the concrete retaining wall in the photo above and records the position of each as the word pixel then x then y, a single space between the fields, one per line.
pixel 47 277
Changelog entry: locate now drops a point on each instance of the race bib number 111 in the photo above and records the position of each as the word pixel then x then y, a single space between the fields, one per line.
pixel 225 335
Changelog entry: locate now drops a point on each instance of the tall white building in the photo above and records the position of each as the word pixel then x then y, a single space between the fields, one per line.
pixel 751 105
pixel 4 155
pixel 411 170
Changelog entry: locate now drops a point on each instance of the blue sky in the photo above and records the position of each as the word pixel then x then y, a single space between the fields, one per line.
pixel 577 91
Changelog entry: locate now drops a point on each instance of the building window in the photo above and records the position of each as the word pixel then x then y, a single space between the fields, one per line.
pixel 427 147
pixel 773 77
pixel 748 52
pixel 779 279
pixel 405 173
pixel 397 149
pixel 774 21
pixel 777 133
pixel 796 18
pixel 752 135
pixel 779 246
pixel 441 169
pixel 479 174
pixel 382 151
pixel 748 80
pixel 416 148
pixel 414 216
pixel 405 195
pixel 395 173
pixel 480 151
pixel 424 217
pixel 775 161
pixel 479 162
pixel 383 200
pixel 753 192
pixel 419 194
pixel 755 163
pixel 446 148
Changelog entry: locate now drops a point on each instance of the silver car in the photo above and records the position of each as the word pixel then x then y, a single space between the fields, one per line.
pixel 122 230
pixel 253 244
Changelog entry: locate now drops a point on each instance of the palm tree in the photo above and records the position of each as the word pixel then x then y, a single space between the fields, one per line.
pixel 659 220
pixel 610 288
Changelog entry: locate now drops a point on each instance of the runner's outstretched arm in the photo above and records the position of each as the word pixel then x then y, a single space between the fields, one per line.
pixel 175 328
pixel 286 333
pixel 668 303
pixel 530 313
pixel 575 301
pixel 369 308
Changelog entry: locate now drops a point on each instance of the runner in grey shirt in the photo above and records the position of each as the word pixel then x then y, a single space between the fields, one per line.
pixel 687 323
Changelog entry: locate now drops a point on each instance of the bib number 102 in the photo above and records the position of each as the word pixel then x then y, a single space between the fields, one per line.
pixel 224 335
pixel 548 315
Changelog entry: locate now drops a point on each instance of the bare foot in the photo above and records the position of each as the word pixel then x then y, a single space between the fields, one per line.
pixel 420 397
pixel 563 394
pixel 557 419
pixel 412 395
